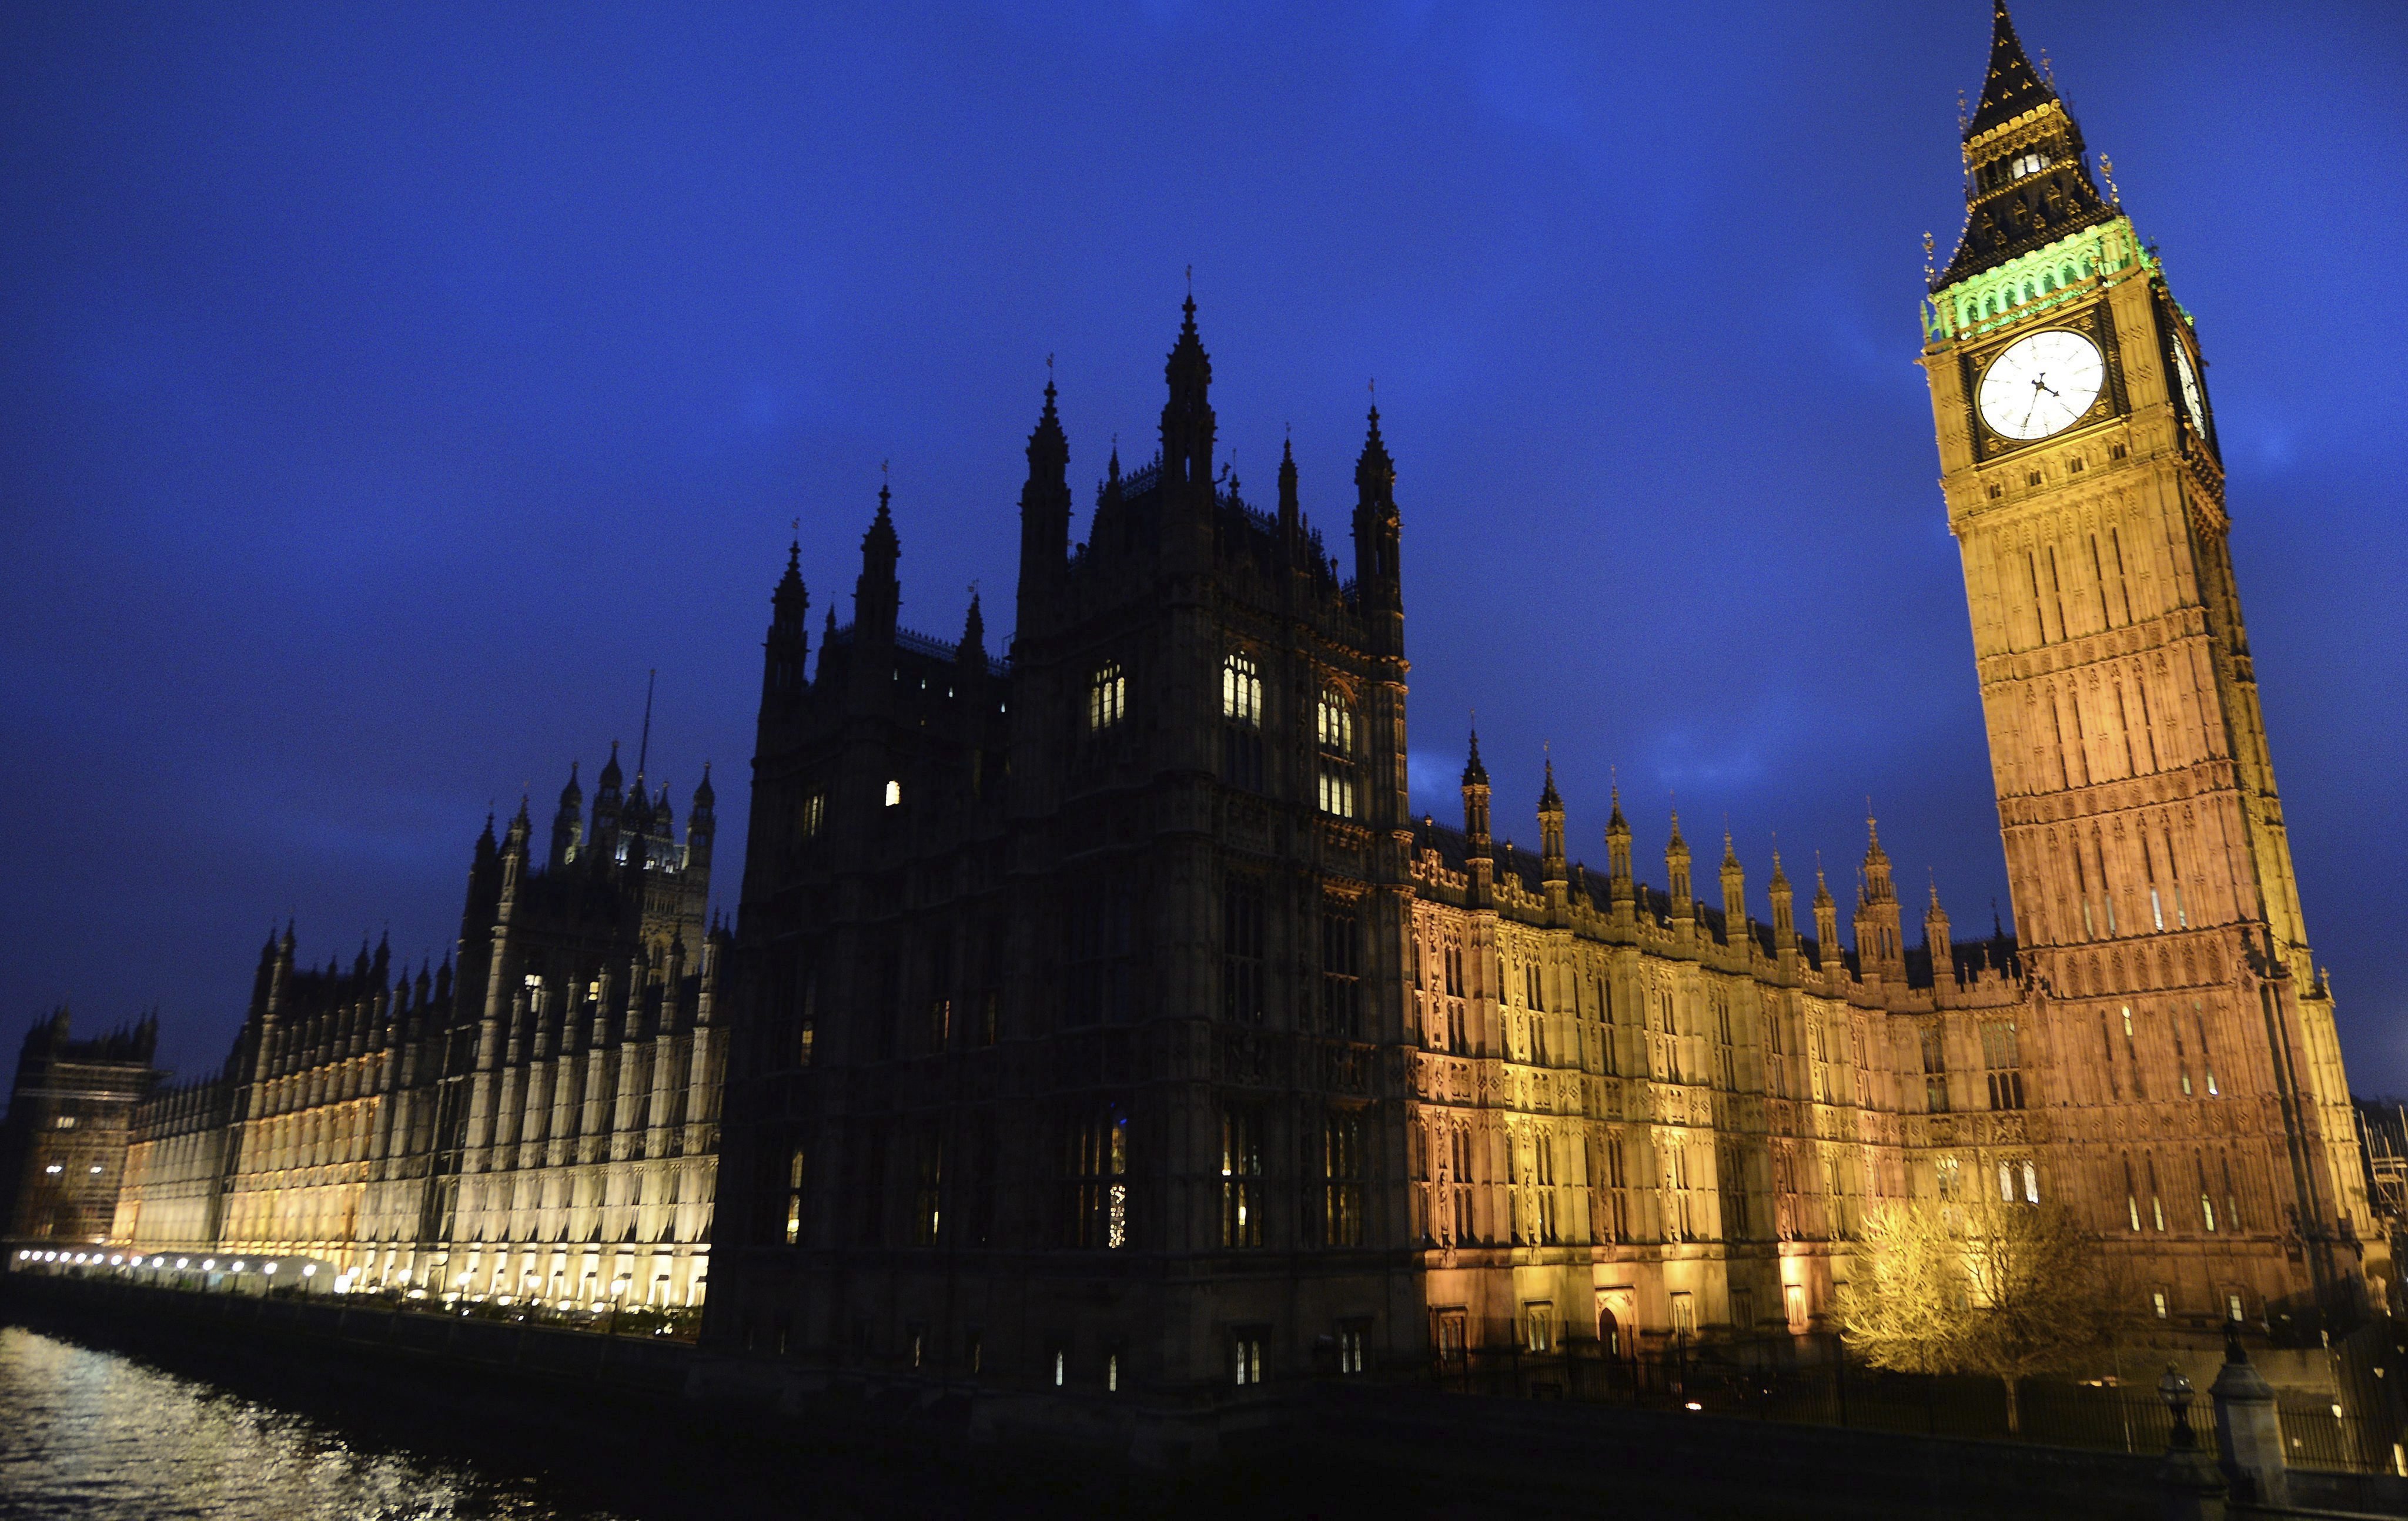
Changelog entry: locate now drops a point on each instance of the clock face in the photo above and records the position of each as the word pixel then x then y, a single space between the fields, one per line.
pixel 2193 403
pixel 2042 385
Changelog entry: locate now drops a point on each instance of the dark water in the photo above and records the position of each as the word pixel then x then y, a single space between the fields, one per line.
pixel 89 1434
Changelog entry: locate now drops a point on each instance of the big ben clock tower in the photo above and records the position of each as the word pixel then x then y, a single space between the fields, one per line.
pixel 2200 1114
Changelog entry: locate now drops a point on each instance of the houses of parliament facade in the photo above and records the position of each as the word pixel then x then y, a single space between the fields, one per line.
pixel 1102 1019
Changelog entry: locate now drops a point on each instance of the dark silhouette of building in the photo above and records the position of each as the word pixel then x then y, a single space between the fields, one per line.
pixel 70 1117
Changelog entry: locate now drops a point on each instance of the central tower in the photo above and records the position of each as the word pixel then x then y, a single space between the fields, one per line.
pixel 2209 1121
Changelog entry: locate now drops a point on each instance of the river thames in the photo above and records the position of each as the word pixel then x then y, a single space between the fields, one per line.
pixel 92 1434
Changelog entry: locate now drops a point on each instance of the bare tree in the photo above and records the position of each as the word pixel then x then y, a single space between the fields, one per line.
pixel 2009 1291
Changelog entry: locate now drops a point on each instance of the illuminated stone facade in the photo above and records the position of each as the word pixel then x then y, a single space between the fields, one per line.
pixel 2197 1107
pixel 543 1126
pixel 1106 1023
pixel 64 1143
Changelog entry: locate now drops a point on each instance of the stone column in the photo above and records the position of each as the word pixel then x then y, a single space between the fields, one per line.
pixel 2248 1432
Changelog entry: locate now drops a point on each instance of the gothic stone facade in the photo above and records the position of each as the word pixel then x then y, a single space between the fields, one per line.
pixel 541 1125
pixel 1105 1022
pixel 70 1121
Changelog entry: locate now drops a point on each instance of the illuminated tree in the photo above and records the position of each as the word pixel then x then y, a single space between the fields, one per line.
pixel 2007 1290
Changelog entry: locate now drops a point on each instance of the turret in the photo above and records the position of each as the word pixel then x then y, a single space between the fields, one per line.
pixel 701 824
pixel 1785 919
pixel 1291 513
pixel 568 822
pixel 1187 421
pixel 1880 947
pixel 1479 855
pixel 788 645
pixel 1475 803
pixel 1826 920
pixel 1377 578
pixel 606 809
pixel 877 596
pixel 1676 868
pixel 1935 939
pixel 1044 512
pixel 1617 852
pixel 1550 830
pixel 1734 895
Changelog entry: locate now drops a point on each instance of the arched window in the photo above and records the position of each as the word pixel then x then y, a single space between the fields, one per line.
pixel 1242 713
pixel 1106 697
pixel 894 792
pixel 1241 691
pixel 1336 723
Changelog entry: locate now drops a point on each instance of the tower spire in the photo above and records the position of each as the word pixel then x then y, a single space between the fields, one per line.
pixel 2027 183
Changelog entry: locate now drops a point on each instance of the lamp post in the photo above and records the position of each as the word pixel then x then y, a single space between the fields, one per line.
pixel 2190 1485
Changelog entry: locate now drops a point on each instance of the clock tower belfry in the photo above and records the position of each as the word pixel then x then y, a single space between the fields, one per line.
pixel 2199 1101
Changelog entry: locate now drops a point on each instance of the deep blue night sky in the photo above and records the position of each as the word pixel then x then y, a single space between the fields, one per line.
pixel 386 391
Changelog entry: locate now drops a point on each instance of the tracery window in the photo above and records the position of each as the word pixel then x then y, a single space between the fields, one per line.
pixel 1341 1170
pixel 1935 1070
pixel 2001 1055
pixel 1241 952
pixel 1342 980
pixel 1242 714
pixel 1241 1176
pixel 1333 729
pixel 1106 697
pixel 1095 1171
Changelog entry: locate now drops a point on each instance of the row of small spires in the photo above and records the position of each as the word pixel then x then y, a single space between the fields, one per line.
pixel 1187 429
pixel 1874 887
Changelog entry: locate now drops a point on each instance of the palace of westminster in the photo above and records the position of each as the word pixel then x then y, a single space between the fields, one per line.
pixel 1101 1017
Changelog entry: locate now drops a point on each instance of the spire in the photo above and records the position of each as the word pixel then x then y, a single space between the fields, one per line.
pixel 788 648
pixel 1187 416
pixel 611 775
pixel 876 597
pixel 1377 533
pixel 703 794
pixel 1474 773
pixel 1550 830
pixel 1290 513
pixel 568 823
pixel 2013 85
pixel 973 646
pixel 1045 509
pixel 2027 181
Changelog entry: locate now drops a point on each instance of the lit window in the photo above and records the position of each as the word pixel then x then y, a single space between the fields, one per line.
pixel 894 793
pixel 1241 691
pixel 1107 698
pixel 1336 724
pixel 1247 1347
pixel 1338 790
pixel 2157 1302
pixel 814 814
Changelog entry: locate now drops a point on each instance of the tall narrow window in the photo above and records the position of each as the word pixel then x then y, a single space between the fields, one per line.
pixel 1241 726
pixel 1102 982
pixel 2131 1194
pixel 2157 1202
pixel 794 1197
pixel 1095 1165
pixel 1459 1168
pixel 1341 1170
pixel 1106 697
pixel 813 816
pixel 1241 1176
pixel 2206 1200
pixel 927 1214
pixel 1334 731
pixel 1543 1178
pixel 1246 1348
pixel 1241 952
pixel 2001 1055
pixel 1935 1070
pixel 1341 981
